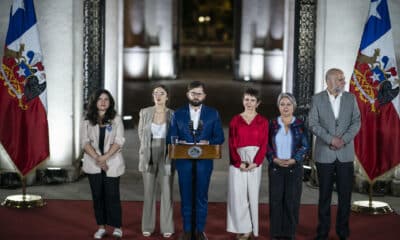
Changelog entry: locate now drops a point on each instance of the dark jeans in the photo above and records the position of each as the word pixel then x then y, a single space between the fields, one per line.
pixel 285 186
pixel 342 174
pixel 106 199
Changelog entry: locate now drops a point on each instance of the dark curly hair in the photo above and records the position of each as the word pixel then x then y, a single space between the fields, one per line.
pixel 91 111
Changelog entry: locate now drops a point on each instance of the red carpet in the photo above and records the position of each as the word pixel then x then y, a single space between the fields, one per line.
pixel 74 220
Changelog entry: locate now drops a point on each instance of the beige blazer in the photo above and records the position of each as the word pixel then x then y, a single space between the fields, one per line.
pixel 146 116
pixel 114 134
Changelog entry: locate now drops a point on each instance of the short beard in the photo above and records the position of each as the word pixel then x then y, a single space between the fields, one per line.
pixel 338 90
pixel 195 104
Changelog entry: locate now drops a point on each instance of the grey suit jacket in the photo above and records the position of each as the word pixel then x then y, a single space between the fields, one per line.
pixel 146 116
pixel 324 126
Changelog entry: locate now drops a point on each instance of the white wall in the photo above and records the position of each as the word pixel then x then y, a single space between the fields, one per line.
pixel 60 24
pixel 339 29
pixel 114 50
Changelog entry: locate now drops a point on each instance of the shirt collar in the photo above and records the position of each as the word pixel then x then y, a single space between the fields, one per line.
pixel 191 109
pixel 331 96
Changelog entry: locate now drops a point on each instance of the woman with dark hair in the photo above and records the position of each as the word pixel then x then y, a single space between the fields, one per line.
pixel 248 140
pixel 154 165
pixel 102 139
pixel 288 145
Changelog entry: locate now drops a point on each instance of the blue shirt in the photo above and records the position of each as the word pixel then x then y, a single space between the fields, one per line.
pixel 283 141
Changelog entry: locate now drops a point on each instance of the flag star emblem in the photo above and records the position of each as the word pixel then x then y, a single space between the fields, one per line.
pixel 376 76
pixel 374 9
pixel 21 72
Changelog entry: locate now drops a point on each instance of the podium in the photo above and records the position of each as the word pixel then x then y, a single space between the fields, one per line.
pixel 186 151
pixel 194 153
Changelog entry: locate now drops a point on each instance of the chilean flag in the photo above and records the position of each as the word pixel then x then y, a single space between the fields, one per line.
pixel 375 82
pixel 23 97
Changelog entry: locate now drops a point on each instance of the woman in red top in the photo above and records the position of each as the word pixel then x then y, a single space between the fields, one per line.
pixel 248 140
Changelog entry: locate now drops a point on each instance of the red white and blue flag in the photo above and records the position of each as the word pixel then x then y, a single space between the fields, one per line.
pixel 375 82
pixel 23 97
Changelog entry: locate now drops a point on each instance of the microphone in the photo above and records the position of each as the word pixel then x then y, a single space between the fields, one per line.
pixel 200 126
pixel 191 126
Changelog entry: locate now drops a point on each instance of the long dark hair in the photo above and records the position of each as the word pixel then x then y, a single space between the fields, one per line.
pixel 91 111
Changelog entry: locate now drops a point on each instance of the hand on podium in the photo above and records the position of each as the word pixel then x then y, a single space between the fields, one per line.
pixel 203 142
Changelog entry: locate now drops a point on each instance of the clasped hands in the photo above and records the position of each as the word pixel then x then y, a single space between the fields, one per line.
pixel 101 161
pixel 284 162
pixel 245 167
pixel 336 143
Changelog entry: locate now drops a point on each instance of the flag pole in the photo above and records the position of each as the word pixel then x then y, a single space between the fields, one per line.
pixel 23 200
pixel 23 181
pixel 371 207
pixel 371 185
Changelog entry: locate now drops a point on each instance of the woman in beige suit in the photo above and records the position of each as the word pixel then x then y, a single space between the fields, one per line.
pixel 102 140
pixel 155 167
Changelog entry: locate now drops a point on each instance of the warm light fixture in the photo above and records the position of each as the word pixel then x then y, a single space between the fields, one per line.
pixel 203 19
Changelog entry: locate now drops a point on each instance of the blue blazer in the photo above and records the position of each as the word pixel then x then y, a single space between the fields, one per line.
pixel 211 131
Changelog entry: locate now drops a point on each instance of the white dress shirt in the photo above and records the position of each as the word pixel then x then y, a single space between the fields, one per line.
pixel 195 116
pixel 335 103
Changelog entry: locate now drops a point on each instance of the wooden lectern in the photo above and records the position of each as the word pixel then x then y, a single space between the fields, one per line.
pixel 194 152
pixel 186 151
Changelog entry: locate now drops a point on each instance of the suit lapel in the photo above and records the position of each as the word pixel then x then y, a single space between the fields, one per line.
pixel 150 115
pixel 342 106
pixel 328 101
pixel 96 129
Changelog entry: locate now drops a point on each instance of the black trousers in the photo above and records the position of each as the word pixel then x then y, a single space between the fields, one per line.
pixel 342 174
pixel 106 199
pixel 285 187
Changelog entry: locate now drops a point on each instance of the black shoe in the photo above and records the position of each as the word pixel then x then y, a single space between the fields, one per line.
pixel 320 238
pixel 342 238
pixel 185 236
pixel 201 236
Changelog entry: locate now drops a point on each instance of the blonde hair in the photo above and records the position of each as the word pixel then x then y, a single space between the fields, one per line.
pixel 288 96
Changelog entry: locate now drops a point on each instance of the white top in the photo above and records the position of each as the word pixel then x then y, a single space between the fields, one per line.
pixel 158 130
pixel 195 117
pixel 248 153
pixel 335 103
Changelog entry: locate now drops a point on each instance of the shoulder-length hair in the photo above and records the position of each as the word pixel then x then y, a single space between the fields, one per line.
pixel 92 111
pixel 289 96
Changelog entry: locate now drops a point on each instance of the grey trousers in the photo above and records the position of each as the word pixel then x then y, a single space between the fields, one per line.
pixel 152 181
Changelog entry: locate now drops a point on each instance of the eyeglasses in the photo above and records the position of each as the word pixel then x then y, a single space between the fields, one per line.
pixel 196 94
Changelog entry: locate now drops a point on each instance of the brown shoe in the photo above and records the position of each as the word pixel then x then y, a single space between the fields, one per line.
pixel 185 236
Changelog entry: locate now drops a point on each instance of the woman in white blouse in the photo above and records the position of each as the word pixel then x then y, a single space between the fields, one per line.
pixel 154 165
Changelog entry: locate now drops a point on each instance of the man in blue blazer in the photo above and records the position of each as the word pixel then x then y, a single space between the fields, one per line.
pixel 334 119
pixel 207 123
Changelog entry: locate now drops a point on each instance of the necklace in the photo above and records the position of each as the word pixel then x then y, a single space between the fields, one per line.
pixel 162 111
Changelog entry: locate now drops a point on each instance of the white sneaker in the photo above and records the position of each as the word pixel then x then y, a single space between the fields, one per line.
pixel 167 235
pixel 146 234
pixel 117 232
pixel 99 234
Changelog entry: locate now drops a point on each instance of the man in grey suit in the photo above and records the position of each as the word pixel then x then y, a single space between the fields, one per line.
pixel 334 119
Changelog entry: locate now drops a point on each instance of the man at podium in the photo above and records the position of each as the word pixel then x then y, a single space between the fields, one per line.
pixel 190 124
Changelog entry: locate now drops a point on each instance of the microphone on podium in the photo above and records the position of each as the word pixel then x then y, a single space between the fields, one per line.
pixel 200 126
